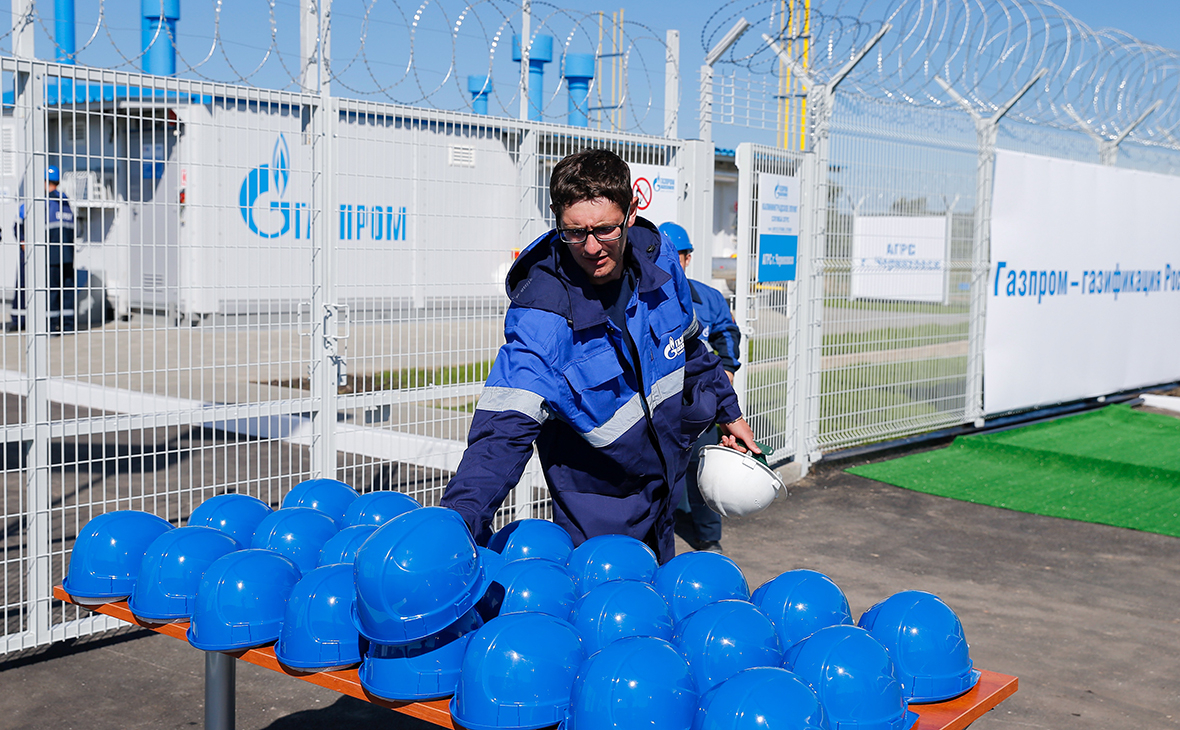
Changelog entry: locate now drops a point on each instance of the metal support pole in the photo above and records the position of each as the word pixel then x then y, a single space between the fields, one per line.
pixel 986 132
pixel 1108 149
pixel 325 360
pixel 743 288
pixel 807 330
pixel 23 27
pixel 31 83
pixel 220 700
pixel 672 85
pixel 526 44
pixel 706 104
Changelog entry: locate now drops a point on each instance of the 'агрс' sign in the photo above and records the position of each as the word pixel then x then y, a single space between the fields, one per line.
pixel 899 258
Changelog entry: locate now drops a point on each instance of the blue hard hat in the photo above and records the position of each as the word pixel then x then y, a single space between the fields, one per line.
pixel 723 638
pixel 108 553
pixel 172 569
pixel 237 515
pixel 618 609
pixel 317 632
pixel 532 584
pixel 692 580
pixel 330 496
pixel 611 557
pixel 801 602
pixel 638 682
pixel 760 698
pixel 517 673
pixel 532 539
pixel 52 174
pixel 241 600
pixel 422 670
pixel 925 639
pixel 854 678
pixel 492 561
pixel 342 547
pixel 377 508
pixel 416 575
pixel 679 237
pixel 297 532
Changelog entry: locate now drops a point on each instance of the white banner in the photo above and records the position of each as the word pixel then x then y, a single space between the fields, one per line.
pixel 899 258
pixel 1084 292
pixel 655 186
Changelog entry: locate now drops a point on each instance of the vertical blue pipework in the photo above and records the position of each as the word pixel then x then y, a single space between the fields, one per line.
pixel 63 31
pixel 540 53
pixel 159 33
pixel 579 72
pixel 479 87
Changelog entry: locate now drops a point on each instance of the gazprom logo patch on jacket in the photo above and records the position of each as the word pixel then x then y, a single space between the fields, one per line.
pixel 674 348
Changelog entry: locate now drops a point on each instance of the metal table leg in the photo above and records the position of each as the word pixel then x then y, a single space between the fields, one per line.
pixel 220 672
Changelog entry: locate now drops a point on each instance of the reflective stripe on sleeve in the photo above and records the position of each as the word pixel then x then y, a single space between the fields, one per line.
pixel 499 400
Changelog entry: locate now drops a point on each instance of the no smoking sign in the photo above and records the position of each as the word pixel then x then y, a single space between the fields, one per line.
pixel 643 191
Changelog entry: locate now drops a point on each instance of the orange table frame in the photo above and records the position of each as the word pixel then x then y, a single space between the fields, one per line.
pixel 992 689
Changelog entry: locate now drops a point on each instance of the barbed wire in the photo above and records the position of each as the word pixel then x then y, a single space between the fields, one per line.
pixel 420 52
pixel 1101 81
pixel 412 52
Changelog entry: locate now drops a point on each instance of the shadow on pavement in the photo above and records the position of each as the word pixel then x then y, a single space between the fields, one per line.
pixel 351 713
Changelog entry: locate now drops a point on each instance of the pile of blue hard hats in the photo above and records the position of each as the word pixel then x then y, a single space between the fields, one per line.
pixel 531 631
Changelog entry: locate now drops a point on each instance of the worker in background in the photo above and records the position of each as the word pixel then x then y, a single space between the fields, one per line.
pixel 698 525
pixel 59 224
pixel 601 368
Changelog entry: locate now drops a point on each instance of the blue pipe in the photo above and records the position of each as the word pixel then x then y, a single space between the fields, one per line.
pixel 579 72
pixel 159 34
pixel 479 87
pixel 540 53
pixel 63 31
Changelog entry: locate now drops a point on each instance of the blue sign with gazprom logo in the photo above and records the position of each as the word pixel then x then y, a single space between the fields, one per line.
pixel 268 214
pixel 778 227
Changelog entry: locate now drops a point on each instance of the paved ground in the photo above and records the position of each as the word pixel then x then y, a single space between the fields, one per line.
pixel 1086 615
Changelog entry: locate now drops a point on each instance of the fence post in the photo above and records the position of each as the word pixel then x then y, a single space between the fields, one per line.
pixel 672 85
pixel 30 81
pixel 807 333
pixel 1108 149
pixel 986 132
pixel 324 310
pixel 695 159
pixel 744 159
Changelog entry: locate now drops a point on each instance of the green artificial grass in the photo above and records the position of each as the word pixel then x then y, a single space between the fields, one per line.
pixel 1113 466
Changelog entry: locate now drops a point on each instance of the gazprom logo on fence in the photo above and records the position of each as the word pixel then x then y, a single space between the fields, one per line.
pixel 266 212
pixel 663 184
pixel 781 192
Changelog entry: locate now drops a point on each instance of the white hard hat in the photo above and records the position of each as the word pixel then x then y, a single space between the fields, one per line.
pixel 734 484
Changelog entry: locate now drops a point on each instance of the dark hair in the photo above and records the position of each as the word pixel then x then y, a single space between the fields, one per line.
pixel 589 175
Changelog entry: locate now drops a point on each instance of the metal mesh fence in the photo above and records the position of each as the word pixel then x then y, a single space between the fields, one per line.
pixel 265 286
pixel 894 353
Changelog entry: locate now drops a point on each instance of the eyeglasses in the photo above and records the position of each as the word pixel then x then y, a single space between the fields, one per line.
pixel 602 234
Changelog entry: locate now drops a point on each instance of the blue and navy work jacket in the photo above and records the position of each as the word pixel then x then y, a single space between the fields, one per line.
pixel 717 325
pixel 613 413
pixel 59 224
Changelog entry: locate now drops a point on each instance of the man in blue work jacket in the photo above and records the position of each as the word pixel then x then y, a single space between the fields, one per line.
pixel 59 223
pixel 601 368
pixel 703 526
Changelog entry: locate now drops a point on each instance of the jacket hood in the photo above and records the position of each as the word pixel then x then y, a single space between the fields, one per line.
pixel 545 276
